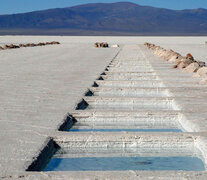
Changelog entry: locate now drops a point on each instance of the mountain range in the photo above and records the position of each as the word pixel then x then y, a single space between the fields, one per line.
pixel 122 18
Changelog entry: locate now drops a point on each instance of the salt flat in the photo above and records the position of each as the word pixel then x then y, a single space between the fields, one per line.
pixel 184 45
pixel 40 85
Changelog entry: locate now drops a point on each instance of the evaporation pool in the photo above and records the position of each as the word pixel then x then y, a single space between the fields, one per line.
pixel 125 163
pixel 137 122
pixel 121 159
pixel 141 124
pixel 126 130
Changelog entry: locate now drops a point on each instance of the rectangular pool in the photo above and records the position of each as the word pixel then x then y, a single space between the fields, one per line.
pixel 125 163
pixel 115 156
pixel 126 130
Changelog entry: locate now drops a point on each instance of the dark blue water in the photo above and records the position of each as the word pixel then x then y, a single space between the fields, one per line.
pixel 127 130
pixel 125 163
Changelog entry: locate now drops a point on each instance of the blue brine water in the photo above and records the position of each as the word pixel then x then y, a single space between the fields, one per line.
pixel 125 163
pixel 127 130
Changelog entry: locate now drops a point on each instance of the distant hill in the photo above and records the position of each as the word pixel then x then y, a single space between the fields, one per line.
pixel 121 18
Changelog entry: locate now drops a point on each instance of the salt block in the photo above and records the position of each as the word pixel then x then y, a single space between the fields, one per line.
pixel 193 67
pixel 204 81
pixel 202 72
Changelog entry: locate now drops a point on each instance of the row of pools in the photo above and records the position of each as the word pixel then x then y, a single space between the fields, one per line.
pixel 121 159
pixel 89 157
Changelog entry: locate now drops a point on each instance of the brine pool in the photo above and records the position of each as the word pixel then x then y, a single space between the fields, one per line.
pixel 125 163
pixel 121 159
pixel 126 130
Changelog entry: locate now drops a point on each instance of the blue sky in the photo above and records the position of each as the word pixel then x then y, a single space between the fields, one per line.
pixel 18 6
